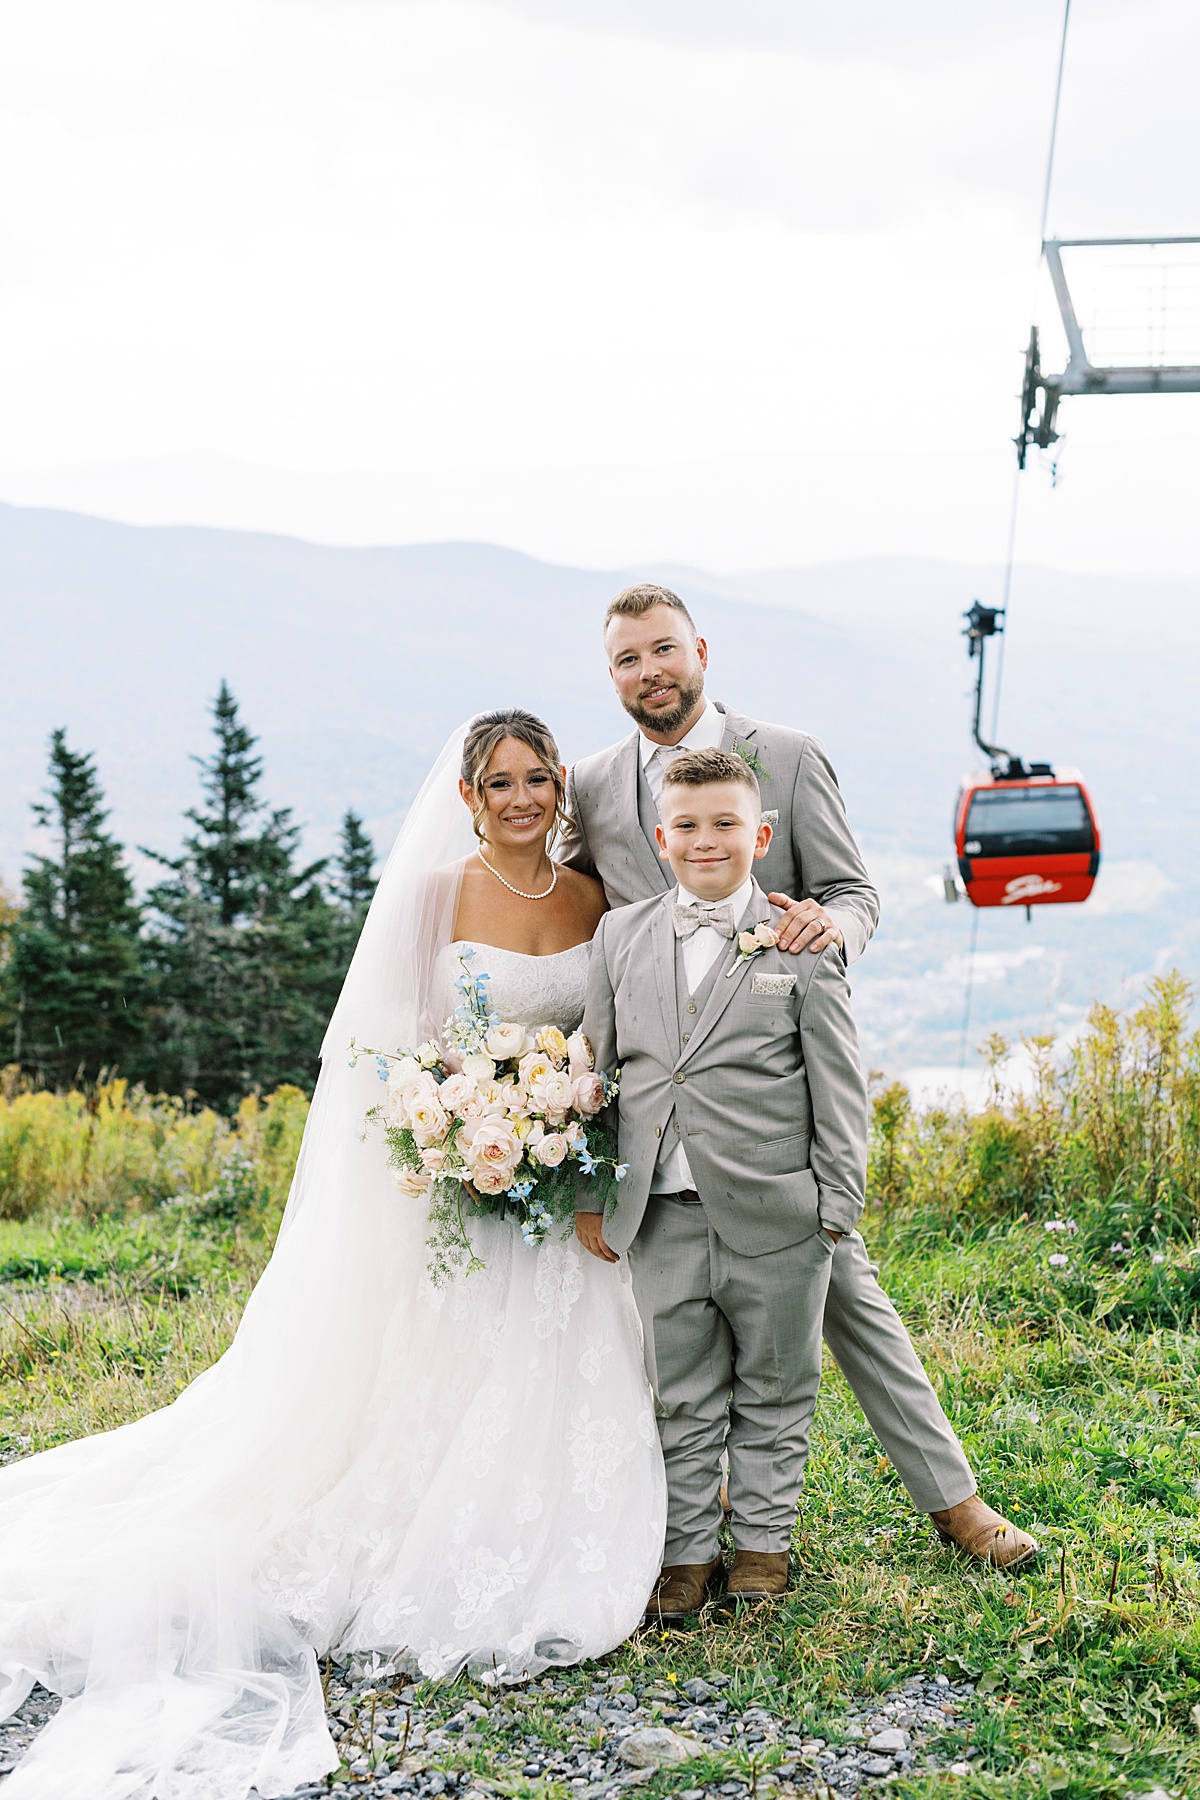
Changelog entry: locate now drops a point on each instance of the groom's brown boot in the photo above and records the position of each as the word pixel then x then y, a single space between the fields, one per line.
pixel 758 1575
pixel 680 1591
pixel 984 1533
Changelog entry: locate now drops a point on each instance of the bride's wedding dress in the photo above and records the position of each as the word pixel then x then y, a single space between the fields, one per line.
pixel 465 1476
pixel 514 1492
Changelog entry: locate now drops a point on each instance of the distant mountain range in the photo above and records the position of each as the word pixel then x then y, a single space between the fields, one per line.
pixel 354 664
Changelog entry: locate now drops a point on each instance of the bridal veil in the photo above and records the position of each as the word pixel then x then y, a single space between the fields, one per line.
pixel 151 1575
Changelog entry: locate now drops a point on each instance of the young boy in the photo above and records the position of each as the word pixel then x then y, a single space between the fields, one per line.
pixel 743 1118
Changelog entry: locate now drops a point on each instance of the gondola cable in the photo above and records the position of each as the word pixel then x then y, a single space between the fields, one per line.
pixel 1016 490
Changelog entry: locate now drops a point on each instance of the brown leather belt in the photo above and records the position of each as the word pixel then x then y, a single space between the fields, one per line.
pixel 685 1197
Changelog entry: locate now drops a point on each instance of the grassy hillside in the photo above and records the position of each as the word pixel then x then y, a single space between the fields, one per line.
pixel 1046 1257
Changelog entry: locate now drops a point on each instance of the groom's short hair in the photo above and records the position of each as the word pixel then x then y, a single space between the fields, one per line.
pixel 703 768
pixel 632 602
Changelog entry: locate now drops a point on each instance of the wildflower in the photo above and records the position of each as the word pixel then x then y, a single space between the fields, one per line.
pixel 1117 1249
pixel 1059 1262
pixel 1055 1225
pixel 1158 1257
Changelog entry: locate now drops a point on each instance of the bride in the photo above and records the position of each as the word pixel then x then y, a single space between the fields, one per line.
pixel 460 1476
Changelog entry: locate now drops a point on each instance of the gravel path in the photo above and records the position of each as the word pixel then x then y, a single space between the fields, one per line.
pixel 602 1736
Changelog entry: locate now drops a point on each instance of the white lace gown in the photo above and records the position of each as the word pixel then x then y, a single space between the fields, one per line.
pixel 464 1477
pixel 518 1503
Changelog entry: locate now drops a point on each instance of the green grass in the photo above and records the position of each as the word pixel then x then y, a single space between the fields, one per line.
pixel 1076 1390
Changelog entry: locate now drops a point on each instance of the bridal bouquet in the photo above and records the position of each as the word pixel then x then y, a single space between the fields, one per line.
pixel 501 1119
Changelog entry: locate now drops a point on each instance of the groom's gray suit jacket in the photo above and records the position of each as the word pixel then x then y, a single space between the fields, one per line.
pixel 767 1091
pixel 812 854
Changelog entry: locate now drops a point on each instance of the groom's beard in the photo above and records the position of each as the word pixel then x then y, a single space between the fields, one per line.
pixel 689 700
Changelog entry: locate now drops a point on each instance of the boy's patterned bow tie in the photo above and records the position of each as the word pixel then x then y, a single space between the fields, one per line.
pixel 689 919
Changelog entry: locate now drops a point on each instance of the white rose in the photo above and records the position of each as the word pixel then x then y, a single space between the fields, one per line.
pixel 403 1075
pixel 455 1091
pixel 552 1149
pixel 428 1055
pixel 579 1052
pixel 495 1097
pixel 505 1042
pixel 478 1066
pixel 535 1068
pixel 554 1095
pixel 427 1120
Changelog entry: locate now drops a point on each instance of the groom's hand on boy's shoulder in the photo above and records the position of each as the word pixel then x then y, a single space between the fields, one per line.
pixel 806 925
pixel 589 1230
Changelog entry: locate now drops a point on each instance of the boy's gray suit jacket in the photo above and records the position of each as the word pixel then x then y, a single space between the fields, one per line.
pixel 768 1092
pixel 812 855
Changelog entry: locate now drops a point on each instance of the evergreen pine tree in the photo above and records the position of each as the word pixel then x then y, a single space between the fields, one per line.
pixel 73 974
pixel 353 881
pixel 243 946
pixel 350 885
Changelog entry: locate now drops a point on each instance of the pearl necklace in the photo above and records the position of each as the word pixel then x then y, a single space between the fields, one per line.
pixel 521 895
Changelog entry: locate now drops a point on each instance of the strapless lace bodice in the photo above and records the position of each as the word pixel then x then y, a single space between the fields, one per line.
pixel 524 990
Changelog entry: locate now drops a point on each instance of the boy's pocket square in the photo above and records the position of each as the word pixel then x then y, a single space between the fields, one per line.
pixel 771 816
pixel 762 983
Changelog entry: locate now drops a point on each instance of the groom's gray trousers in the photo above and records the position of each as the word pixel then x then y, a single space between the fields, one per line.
pixel 871 1347
pixel 733 1351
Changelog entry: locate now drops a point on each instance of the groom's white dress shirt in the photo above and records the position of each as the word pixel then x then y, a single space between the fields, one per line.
pixel 705 734
pixel 700 951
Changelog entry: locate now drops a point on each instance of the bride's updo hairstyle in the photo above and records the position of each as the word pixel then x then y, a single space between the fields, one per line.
pixel 486 733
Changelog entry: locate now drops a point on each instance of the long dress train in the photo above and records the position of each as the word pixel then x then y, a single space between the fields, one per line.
pixel 463 1477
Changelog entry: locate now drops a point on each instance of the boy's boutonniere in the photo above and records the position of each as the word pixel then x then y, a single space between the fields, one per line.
pixel 752 759
pixel 752 944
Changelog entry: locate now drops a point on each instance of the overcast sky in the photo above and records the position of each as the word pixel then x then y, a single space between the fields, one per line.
pixel 473 238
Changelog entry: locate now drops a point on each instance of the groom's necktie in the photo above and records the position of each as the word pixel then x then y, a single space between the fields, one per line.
pixel 689 919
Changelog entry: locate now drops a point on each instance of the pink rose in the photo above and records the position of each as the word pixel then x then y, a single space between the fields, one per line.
pixel 495 1146
pixel 492 1181
pixel 412 1185
pixel 552 1149
pixel 579 1052
pixel 587 1094
pixel 434 1159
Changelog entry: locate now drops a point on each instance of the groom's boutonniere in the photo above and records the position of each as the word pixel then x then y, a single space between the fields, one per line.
pixel 752 944
pixel 751 758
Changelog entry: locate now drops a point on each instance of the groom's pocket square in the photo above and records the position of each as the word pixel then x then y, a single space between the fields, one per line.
pixel 762 983
pixel 771 816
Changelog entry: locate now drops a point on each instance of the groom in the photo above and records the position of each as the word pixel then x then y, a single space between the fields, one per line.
pixel 657 664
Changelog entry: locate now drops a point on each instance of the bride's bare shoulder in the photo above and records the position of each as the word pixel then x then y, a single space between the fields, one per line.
pixel 585 894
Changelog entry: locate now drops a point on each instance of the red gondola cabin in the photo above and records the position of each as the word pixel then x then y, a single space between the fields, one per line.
pixel 1028 841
